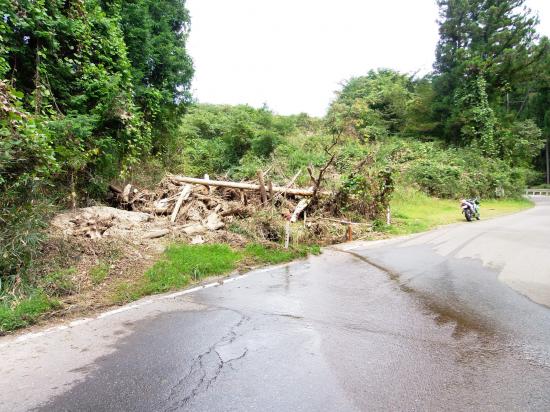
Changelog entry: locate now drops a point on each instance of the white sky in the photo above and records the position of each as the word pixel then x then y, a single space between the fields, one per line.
pixel 292 54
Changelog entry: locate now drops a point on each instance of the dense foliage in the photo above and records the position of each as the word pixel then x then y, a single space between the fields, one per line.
pixel 154 33
pixel 232 139
pixel 488 57
pixel 83 85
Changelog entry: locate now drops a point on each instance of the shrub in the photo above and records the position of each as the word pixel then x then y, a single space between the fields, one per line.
pixel 457 172
pixel 216 139
pixel 21 234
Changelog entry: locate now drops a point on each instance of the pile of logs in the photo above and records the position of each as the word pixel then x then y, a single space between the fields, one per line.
pixel 185 198
pixel 193 208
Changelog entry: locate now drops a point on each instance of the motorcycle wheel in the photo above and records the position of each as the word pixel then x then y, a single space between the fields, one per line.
pixel 468 215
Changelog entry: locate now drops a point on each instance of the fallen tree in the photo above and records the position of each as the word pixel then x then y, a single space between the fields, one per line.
pixel 246 186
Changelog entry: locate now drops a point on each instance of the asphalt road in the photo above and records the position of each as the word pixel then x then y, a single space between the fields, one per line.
pixel 446 320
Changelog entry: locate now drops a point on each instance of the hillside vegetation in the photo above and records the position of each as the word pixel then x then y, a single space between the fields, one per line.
pixel 96 93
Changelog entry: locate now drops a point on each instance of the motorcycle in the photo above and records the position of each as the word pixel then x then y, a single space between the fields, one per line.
pixel 470 209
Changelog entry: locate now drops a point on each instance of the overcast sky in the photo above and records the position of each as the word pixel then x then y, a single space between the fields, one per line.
pixel 293 54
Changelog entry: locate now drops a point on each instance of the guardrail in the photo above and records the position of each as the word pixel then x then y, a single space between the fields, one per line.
pixel 537 192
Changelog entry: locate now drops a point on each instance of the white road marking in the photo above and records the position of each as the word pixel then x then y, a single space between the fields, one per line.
pixel 77 322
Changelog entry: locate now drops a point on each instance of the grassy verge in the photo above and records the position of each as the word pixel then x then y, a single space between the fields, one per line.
pixel 183 264
pixel 413 211
pixel 24 312
pixel 180 265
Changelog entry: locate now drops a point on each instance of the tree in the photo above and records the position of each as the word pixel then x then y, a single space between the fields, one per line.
pixel 488 51
pixel 155 33
pixel 68 60
pixel 474 117
pixel 372 106
pixel 493 37
pixel 535 104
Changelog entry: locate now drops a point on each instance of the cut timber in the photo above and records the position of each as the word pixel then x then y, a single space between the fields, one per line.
pixel 115 189
pixel 185 192
pixel 302 204
pixel 287 234
pixel 262 187
pixel 270 190
pixel 246 186
pixel 206 177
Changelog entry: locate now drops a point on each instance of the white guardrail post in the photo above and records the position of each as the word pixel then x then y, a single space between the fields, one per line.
pixel 537 192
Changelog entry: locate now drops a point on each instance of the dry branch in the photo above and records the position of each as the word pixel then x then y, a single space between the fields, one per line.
pixel 289 185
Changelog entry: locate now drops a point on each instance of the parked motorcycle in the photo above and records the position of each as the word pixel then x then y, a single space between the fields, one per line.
pixel 470 209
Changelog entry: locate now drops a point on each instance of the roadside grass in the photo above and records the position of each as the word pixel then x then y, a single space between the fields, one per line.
pixel 99 273
pixel 414 211
pixel 20 313
pixel 59 282
pixel 260 254
pixel 183 264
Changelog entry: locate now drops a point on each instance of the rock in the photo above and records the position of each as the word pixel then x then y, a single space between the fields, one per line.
pixel 213 222
pixel 197 240
pixel 194 229
pixel 156 234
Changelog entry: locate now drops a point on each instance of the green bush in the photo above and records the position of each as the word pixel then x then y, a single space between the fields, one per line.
pixel 221 139
pixel 457 172
pixel 21 234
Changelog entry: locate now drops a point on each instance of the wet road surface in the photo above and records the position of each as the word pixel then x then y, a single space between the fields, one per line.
pixel 427 322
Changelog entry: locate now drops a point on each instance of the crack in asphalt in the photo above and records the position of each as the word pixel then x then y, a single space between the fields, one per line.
pixel 199 378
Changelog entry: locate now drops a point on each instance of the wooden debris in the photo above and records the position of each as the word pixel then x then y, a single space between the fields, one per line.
pixel 289 184
pixel 262 187
pixel 287 234
pixel 185 192
pixel 302 204
pixel 126 193
pixel 195 207
pixel 270 190
pixel 245 186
